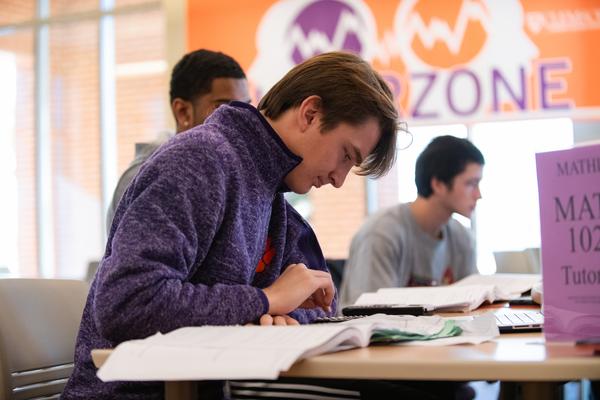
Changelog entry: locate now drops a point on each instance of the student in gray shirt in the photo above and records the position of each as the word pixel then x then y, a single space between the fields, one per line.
pixel 419 243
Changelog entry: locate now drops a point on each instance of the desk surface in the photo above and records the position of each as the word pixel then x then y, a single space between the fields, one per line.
pixel 511 357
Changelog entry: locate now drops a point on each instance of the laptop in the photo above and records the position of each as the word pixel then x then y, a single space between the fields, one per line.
pixel 507 320
pixel 519 321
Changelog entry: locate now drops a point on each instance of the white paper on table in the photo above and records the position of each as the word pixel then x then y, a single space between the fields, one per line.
pixel 392 296
pixel 513 284
pixel 476 330
pixel 425 325
pixel 219 352
pixel 464 295
pixel 255 352
pixel 449 298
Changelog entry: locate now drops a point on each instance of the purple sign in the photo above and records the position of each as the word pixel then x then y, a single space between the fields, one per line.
pixel 569 188
pixel 325 25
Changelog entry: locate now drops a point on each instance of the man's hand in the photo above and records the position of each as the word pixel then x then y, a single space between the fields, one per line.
pixel 299 286
pixel 267 319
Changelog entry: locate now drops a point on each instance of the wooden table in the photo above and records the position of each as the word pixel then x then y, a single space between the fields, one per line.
pixel 526 359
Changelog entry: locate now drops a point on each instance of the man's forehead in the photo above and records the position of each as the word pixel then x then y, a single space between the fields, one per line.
pixel 472 169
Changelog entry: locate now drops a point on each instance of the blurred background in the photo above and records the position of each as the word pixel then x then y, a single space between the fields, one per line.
pixel 82 81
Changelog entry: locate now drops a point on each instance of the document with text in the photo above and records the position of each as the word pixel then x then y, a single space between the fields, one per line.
pixel 262 352
pixel 464 295
pixel 506 284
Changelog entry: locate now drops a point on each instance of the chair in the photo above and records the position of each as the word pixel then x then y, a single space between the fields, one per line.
pixel 91 271
pixel 521 262
pixel 336 269
pixel 39 321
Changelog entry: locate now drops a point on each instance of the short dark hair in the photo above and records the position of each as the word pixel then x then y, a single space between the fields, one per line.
pixel 193 75
pixel 350 91
pixel 443 159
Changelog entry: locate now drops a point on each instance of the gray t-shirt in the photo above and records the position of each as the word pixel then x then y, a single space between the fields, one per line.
pixel 391 250
pixel 143 151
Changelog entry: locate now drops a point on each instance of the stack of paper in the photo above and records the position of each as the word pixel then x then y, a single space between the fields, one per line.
pixel 262 352
pixel 506 285
pixel 449 329
pixel 465 295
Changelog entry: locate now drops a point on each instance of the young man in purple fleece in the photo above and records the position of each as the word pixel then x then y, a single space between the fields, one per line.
pixel 200 236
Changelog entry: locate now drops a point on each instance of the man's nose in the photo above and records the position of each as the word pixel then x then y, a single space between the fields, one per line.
pixel 337 177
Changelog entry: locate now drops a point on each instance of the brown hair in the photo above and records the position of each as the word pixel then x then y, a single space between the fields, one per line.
pixel 350 91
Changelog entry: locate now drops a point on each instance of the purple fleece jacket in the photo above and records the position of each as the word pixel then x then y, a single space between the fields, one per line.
pixel 186 241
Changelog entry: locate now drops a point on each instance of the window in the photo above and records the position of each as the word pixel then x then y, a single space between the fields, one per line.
pixel 141 82
pixel 75 199
pixel 8 162
pixel 18 235
pixel 70 110
pixel 507 216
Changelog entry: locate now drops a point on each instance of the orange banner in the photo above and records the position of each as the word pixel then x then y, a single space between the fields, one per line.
pixel 446 61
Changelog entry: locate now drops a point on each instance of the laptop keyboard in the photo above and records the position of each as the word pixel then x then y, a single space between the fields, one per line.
pixel 519 318
pixel 504 319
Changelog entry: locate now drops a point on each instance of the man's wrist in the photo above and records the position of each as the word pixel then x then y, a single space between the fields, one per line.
pixel 266 301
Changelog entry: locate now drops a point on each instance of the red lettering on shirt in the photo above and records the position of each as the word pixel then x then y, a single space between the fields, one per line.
pixel 267 256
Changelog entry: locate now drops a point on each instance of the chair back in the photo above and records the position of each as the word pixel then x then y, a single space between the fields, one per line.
pixel 521 262
pixel 91 271
pixel 336 269
pixel 39 321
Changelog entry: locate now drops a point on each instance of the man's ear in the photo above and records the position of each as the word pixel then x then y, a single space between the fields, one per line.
pixel 183 113
pixel 309 112
pixel 438 186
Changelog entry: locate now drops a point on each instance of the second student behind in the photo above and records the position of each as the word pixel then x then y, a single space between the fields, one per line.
pixel 200 82
pixel 419 243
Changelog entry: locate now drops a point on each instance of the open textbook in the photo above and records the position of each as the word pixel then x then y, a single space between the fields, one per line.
pixel 464 295
pixel 262 352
